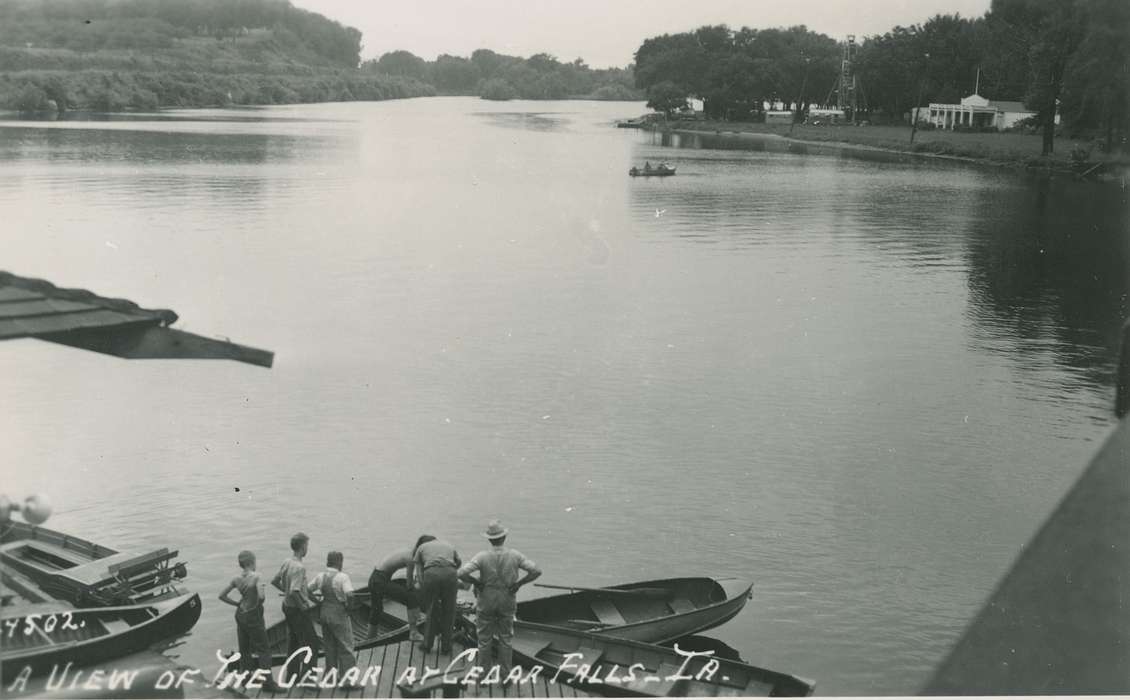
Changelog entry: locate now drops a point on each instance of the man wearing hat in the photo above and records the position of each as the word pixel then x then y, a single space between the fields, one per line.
pixel 497 587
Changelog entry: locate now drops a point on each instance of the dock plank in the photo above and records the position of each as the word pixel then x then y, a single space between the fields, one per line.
pixel 394 658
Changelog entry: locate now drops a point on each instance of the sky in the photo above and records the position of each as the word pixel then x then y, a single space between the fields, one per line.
pixel 603 32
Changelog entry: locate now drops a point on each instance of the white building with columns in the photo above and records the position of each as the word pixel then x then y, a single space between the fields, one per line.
pixel 975 111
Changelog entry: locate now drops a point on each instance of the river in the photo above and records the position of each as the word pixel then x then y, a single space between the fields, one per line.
pixel 862 385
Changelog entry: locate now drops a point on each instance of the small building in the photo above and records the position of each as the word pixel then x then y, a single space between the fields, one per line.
pixel 779 117
pixel 974 111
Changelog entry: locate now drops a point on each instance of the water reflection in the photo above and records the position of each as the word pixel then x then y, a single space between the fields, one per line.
pixel 1046 261
pixel 528 121
pixel 1049 271
pixel 121 146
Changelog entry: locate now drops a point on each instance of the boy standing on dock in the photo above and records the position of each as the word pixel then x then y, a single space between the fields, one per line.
pixel 335 589
pixel 250 629
pixel 297 606
pixel 496 589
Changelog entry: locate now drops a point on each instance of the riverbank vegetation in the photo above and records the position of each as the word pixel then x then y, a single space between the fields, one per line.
pixel 496 76
pixel 1068 58
pixel 103 55
pixel 115 55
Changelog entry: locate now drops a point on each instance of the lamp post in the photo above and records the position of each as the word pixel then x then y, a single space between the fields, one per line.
pixel 918 100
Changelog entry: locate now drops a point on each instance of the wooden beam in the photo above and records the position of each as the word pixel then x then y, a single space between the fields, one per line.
pixel 148 341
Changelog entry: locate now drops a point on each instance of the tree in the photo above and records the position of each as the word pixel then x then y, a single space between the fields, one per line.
pixel 402 63
pixel 1052 31
pixel 666 97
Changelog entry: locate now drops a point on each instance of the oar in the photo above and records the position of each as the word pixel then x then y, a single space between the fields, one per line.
pixel 646 592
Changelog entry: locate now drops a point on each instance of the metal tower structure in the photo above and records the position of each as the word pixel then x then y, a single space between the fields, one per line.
pixel 846 89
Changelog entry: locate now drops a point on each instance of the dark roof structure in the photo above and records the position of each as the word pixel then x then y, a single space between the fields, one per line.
pixel 1059 622
pixel 33 308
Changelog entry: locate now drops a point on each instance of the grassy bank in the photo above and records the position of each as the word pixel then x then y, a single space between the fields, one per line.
pixel 1006 149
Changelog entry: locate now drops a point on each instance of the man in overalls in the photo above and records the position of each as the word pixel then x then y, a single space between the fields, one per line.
pixel 496 588
pixel 335 588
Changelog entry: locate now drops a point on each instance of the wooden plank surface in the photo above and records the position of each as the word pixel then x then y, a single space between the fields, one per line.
pixel 395 658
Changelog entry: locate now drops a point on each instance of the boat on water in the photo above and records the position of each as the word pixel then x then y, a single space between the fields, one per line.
pixel 391 627
pixel 662 170
pixel 82 572
pixel 44 635
pixel 649 611
pixel 607 665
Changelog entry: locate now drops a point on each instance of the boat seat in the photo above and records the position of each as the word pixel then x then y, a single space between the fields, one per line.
pixel 681 605
pixel 592 655
pixel 607 613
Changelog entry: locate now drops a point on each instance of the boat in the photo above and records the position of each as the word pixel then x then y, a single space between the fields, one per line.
pixel 87 574
pixel 649 611
pixel 661 170
pixel 391 627
pixel 41 636
pixel 605 665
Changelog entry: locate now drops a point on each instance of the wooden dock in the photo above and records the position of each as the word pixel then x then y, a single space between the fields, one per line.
pixel 395 658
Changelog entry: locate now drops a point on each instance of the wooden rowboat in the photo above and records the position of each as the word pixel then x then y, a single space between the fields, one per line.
pixel 661 171
pixel 46 635
pixel 650 611
pixel 390 628
pixel 606 665
pixel 83 573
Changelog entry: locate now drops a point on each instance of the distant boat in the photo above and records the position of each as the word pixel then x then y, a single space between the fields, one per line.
pixel 45 635
pixel 650 611
pixel 37 560
pixel 590 662
pixel 661 170
pixel 390 628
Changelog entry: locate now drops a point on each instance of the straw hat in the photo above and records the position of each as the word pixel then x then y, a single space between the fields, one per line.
pixel 495 530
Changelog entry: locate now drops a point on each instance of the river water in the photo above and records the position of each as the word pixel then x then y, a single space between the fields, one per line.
pixel 861 384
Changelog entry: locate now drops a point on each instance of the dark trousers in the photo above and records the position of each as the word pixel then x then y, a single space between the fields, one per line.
pixel 380 587
pixel 300 633
pixel 438 587
pixel 251 631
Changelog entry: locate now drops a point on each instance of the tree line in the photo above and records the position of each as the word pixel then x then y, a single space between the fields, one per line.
pixel 89 25
pixel 500 77
pixel 1066 57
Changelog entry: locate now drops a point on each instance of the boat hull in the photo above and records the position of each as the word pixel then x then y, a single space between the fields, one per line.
pixel 623 668
pixel 87 574
pixel 91 635
pixel 716 601
pixel 391 628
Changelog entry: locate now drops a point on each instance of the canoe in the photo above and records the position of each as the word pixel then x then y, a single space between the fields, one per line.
pixel 391 627
pixel 606 665
pixel 649 611
pixel 88 574
pixel 43 636
pixel 654 172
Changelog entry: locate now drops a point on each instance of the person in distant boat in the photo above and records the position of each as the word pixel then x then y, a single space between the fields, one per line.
pixel 334 588
pixel 297 607
pixel 496 590
pixel 435 563
pixel 250 629
pixel 647 165
pixel 381 585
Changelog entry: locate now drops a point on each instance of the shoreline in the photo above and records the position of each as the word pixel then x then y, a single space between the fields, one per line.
pixel 925 148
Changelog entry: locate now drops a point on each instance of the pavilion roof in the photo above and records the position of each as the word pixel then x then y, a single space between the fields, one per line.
pixel 35 308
